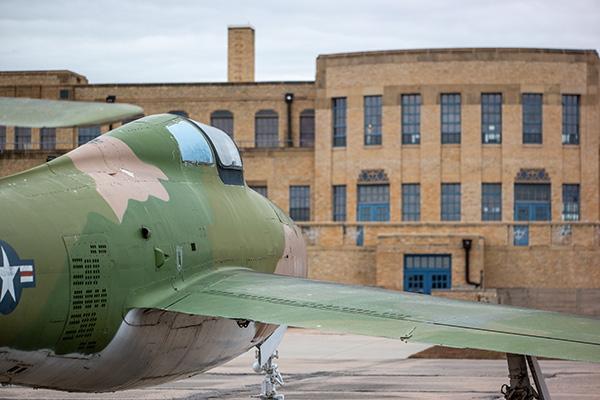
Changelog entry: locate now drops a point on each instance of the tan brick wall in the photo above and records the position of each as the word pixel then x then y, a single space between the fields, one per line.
pixel 469 72
pixel 551 260
pixel 559 255
pixel 240 67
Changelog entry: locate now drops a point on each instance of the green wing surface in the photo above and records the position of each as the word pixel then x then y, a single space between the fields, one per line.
pixel 284 300
pixel 35 113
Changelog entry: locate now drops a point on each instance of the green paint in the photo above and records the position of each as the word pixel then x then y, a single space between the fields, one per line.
pixel 198 246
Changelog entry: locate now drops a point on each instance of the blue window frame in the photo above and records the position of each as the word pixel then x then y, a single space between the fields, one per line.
pixel 2 137
pixel 22 138
pixel 373 202
pixel 300 203
pixel 451 118
pixel 491 118
pixel 532 118
pixel 570 211
pixel 223 120
pixel 411 119
pixel 64 94
pixel 339 122
pixel 491 202
pixel 88 133
pixel 47 138
pixel 266 129
pixel 532 202
pixel 424 272
pixel 450 202
pixel 570 119
pixel 339 203
pixel 372 120
pixel 411 202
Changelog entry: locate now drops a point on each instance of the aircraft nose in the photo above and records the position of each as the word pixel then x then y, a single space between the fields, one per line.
pixel 294 261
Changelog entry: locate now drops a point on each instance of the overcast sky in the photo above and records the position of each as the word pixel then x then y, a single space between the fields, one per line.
pixel 147 41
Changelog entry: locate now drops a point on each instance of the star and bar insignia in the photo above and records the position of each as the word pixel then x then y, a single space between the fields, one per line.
pixel 15 275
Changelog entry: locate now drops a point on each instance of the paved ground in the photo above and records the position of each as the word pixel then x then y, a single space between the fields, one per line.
pixel 344 367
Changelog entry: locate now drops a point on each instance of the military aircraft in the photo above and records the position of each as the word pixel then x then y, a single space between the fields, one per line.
pixel 143 257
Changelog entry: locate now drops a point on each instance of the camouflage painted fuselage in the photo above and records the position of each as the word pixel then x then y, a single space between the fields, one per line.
pixel 120 217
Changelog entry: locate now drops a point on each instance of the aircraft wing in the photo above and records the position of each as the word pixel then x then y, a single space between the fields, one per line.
pixel 248 295
pixel 35 113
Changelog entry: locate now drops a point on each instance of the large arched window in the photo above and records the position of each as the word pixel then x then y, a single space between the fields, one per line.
pixel 223 120
pixel 266 129
pixel 22 138
pixel 47 138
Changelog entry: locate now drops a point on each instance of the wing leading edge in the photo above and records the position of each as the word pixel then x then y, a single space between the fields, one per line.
pixel 283 300
pixel 37 113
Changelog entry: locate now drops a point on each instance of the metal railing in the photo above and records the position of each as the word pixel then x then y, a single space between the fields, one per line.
pixel 274 143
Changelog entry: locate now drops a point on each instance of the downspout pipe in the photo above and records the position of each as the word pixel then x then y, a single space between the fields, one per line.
pixel 467 244
pixel 289 98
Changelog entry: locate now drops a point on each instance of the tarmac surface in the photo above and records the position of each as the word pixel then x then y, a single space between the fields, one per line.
pixel 318 365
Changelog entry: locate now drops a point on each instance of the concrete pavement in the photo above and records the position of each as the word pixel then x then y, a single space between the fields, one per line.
pixel 318 365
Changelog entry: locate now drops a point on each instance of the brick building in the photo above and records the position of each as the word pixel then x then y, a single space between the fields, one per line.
pixel 423 170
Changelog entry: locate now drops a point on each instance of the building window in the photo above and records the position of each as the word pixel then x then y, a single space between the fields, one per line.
pixel 266 129
pixel 48 138
pixel 2 137
pixel 411 119
pixel 491 202
pixel 339 122
pixel 261 190
pixel 223 120
pixel 307 128
pixel 87 134
pixel 424 272
pixel 491 118
pixel 300 203
pixel 411 202
pixel 570 210
pixel 22 138
pixel 532 202
pixel 372 120
pixel 450 201
pixel 570 119
pixel 64 94
pixel 532 118
pixel 451 116
pixel 373 202
pixel 339 203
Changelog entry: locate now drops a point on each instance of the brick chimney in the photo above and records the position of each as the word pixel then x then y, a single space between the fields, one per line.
pixel 240 64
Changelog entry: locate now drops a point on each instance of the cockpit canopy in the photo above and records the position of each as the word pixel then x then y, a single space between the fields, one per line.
pixel 227 152
pixel 195 142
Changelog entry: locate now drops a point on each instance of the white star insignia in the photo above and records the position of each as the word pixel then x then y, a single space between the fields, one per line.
pixel 7 274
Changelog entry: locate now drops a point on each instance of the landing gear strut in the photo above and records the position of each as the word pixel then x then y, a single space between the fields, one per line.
pixel 272 378
pixel 265 354
pixel 520 388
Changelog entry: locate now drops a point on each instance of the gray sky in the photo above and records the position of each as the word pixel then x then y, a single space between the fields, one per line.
pixel 146 41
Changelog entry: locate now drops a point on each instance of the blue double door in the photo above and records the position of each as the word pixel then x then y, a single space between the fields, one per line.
pixel 424 272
